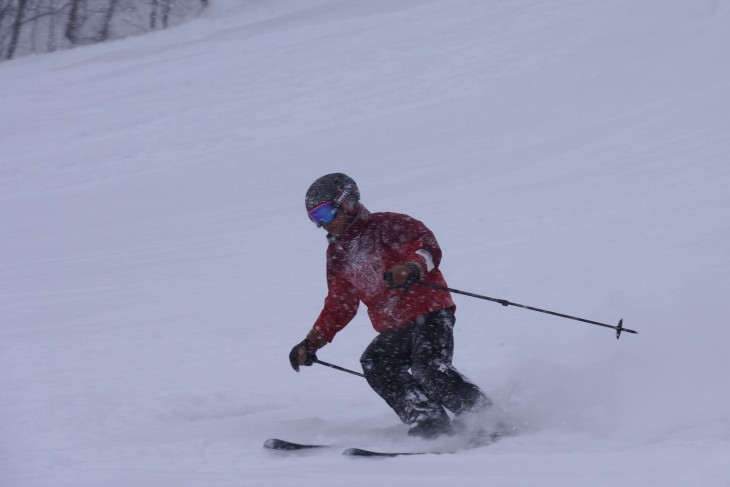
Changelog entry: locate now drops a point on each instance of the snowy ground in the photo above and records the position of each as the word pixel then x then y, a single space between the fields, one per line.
pixel 156 264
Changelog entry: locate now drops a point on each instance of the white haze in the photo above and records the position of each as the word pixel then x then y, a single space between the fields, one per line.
pixel 156 263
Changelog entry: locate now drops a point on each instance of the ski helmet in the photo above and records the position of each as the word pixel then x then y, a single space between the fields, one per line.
pixel 336 189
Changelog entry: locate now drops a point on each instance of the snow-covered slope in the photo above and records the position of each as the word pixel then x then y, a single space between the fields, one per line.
pixel 156 264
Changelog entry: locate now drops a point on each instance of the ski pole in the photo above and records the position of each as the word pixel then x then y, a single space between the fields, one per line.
pixel 619 328
pixel 326 364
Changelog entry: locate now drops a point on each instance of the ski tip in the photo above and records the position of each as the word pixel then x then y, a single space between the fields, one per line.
pixel 277 444
pixel 271 443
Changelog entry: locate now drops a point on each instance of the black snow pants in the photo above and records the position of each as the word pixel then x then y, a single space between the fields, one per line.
pixel 426 347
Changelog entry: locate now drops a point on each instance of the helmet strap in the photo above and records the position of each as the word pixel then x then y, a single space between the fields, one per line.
pixel 346 191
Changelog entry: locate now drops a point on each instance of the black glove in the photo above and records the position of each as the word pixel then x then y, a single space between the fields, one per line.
pixel 303 353
pixel 403 276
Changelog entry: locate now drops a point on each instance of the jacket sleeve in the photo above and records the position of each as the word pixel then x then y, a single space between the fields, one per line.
pixel 340 305
pixel 419 245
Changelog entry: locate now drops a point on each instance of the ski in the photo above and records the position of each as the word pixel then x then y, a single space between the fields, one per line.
pixel 283 445
pixel 277 444
pixel 359 452
pixel 476 442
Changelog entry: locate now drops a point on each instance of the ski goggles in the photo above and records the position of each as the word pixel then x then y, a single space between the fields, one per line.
pixel 323 213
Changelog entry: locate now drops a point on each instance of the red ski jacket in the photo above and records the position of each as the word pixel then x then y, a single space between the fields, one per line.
pixel 356 262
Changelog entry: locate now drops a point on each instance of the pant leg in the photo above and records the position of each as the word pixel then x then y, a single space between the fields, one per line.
pixel 433 351
pixel 385 364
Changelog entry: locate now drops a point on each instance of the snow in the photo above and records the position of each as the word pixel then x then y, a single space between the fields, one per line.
pixel 156 264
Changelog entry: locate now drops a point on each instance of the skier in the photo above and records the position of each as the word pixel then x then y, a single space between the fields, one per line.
pixel 377 259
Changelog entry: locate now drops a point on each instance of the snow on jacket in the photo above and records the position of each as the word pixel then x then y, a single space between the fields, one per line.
pixel 356 262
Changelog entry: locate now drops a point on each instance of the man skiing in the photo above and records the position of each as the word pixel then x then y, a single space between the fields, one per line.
pixel 378 259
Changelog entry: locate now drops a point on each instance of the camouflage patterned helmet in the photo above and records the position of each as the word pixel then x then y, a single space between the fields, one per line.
pixel 326 196
pixel 329 187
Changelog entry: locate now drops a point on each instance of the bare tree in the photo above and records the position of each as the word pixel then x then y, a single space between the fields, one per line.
pixel 34 25
pixel 16 27
pixel 73 23
pixel 106 25
pixel 154 12
pixel 4 9
pixel 52 40
pixel 28 26
pixel 166 9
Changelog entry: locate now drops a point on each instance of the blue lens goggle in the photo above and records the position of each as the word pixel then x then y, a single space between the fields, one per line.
pixel 323 213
